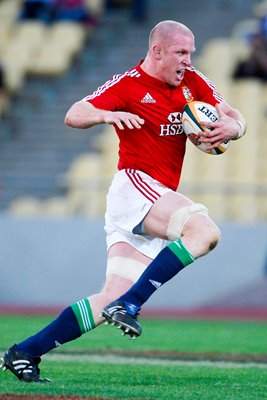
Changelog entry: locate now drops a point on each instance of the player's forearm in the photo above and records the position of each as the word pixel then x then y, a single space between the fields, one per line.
pixel 241 125
pixel 84 115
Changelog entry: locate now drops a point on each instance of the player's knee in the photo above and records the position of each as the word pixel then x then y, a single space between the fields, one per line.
pixel 213 236
pixel 203 233
pixel 192 223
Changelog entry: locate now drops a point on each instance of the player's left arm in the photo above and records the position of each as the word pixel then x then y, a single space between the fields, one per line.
pixel 230 126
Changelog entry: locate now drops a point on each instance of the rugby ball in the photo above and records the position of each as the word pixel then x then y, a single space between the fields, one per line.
pixel 193 113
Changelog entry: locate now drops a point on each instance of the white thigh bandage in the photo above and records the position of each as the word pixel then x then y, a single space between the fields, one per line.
pixel 126 267
pixel 180 217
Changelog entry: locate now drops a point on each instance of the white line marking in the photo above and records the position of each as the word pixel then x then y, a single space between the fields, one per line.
pixel 114 359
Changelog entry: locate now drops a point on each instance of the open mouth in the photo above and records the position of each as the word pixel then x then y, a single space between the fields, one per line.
pixel 180 73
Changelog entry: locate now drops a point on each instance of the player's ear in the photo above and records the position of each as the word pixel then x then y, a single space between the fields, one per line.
pixel 157 51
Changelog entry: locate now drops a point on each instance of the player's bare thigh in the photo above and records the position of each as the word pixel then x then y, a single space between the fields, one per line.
pixel 123 249
pixel 157 220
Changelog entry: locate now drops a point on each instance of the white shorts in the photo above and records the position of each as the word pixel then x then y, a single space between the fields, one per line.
pixel 131 195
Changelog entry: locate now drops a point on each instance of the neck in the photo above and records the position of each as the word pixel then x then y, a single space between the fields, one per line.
pixel 148 68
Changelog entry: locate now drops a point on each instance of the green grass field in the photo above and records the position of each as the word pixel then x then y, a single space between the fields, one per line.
pixel 173 359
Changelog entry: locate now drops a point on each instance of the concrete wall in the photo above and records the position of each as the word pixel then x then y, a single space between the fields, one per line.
pixel 54 262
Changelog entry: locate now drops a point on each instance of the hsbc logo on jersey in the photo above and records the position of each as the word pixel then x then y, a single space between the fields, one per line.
pixel 175 118
pixel 175 126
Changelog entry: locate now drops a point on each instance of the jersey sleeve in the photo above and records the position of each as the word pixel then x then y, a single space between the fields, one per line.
pixel 111 95
pixel 206 90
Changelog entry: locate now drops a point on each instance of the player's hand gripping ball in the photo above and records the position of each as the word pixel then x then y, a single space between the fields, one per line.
pixel 193 113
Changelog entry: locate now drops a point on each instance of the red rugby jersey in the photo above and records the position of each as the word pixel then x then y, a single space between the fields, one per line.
pixel 158 147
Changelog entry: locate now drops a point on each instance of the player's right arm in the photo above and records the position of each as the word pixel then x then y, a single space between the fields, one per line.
pixel 84 115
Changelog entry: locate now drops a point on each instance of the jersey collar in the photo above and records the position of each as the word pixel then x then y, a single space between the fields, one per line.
pixel 150 79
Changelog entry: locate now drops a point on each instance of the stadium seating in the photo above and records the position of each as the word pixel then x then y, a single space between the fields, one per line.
pixel 69 36
pixel 31 33
pixel 9 10
pixel 55 207
pixel 15 61
pixel 50 60
pixel 25 207
pixel 233 185
pixel 33 47
pixel 85 185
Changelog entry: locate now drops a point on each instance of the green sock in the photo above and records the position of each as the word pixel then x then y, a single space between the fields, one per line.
pixel 84 315
pixel 178 248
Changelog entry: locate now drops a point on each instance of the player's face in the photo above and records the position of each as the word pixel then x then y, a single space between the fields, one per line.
pixel 176 57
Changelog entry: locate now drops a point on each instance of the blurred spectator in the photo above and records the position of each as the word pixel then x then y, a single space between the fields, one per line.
pixel 56 10
pixel 37 9
pixel 72 10
pixel 255 66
